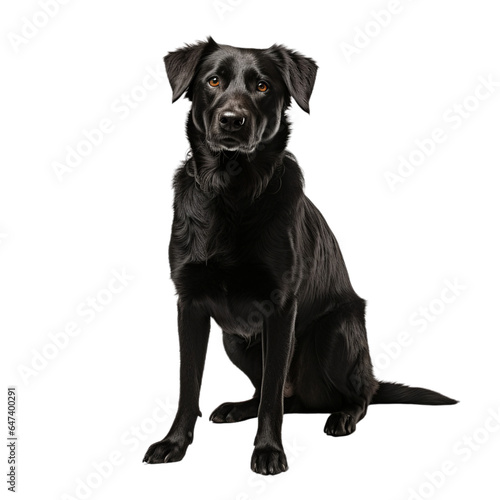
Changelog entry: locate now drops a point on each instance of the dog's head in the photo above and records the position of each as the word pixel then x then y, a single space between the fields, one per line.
pixel 239 95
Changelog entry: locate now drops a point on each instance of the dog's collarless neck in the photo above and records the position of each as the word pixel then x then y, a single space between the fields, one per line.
pixel 270 176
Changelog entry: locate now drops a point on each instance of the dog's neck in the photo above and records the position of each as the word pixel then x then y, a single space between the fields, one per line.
pixel 236 175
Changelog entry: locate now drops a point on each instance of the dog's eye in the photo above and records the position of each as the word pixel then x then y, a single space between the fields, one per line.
pixel 262 86
pixel 214 81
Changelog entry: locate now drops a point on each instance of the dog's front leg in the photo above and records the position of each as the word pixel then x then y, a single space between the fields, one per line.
pixel 278 335
pixel 194 328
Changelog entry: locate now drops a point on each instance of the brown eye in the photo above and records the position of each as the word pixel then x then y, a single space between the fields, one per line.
pixel 262 86
pixel 214 81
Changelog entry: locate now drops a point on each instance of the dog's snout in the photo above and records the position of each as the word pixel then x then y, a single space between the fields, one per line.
pixel 231 121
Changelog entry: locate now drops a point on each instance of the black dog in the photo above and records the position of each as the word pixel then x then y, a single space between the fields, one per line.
pixel 250 250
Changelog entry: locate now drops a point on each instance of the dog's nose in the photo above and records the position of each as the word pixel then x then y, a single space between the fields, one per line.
pixel 231 121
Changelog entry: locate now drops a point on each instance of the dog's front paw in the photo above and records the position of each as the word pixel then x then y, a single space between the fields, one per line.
pixel 165 451
pixel 268 460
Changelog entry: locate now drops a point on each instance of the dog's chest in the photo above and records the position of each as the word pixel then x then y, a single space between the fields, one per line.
pixel 238 297
pixel 204 230
pixel 215 261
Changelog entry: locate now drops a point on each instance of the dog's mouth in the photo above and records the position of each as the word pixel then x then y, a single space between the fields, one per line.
pixel 229 143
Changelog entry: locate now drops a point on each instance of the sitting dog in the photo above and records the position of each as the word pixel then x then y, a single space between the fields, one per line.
pixel 250 250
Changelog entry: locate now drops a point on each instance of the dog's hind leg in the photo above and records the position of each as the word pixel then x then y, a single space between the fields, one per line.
pixel 334 371
pixel 348 368
pixel 248 358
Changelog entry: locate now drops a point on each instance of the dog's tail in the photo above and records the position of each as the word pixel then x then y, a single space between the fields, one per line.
pixel 390 392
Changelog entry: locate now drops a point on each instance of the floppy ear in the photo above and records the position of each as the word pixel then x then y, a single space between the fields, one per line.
pixel 299 73
pixel 181 66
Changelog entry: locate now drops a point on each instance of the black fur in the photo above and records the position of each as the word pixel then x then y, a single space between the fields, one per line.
pixel 250 250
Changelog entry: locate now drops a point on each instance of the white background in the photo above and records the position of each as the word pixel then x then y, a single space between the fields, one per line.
pixel 61 240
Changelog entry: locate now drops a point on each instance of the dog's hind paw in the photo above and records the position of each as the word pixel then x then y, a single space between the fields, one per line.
pixel 235 412
pixel 340 424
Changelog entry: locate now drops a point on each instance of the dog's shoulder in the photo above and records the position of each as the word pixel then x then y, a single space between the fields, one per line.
pixel 182 179
pixel 291 182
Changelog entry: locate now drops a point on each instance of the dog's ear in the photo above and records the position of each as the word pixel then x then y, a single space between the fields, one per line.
pixel 181 65
pixel 298 71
